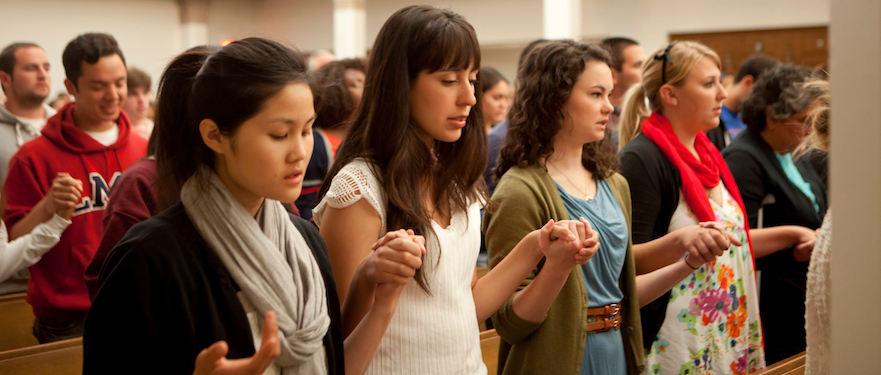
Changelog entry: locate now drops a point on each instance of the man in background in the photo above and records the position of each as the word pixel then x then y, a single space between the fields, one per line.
pixel 627 59
pixel 730 123
pixel 24 76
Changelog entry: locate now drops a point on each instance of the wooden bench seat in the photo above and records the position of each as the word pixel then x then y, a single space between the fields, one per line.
pixel 16 322
pixel 794 365
pixel 56 358
pixel 489 347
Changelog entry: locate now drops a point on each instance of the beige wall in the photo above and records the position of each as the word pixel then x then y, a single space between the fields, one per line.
pixel 148 31
pixel 649 22
pixel 855 63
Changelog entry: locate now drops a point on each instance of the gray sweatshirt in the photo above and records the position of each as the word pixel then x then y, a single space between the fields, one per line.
pixel 13 134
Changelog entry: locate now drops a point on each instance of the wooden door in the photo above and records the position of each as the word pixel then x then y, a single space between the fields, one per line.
pixel 805 45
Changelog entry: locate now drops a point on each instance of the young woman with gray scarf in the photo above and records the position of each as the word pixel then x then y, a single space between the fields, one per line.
pixel 227 281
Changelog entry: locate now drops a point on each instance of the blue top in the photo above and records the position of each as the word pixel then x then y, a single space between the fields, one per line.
pixel 795 176
pixel 603 352
pixel 604 213
pixel 733 122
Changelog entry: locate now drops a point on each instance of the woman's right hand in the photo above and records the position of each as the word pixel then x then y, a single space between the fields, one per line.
pixel 568 242
pixel 395 257
pixel 212 360
pixel 705 241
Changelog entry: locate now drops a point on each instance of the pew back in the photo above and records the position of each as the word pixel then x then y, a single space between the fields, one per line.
pixel 16 322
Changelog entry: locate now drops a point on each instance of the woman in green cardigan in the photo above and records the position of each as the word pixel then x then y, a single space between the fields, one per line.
pixel 556 165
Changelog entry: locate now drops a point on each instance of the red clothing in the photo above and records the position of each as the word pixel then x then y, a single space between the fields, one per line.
pixel 334 142
pixel 135 198
pixel 56 287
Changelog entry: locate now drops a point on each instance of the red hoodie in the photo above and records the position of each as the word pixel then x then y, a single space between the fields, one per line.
pixel 56 288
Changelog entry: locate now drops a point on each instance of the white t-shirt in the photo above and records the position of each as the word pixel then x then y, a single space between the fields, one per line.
pixel 33 123
pixel 107 137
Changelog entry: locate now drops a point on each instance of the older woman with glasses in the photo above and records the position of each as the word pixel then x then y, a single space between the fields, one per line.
pixel 778 190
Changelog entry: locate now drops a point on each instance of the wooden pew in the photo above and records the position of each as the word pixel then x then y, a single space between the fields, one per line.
pixel 57 358
pixel 794 365
pixel 489 347
pixel 16 322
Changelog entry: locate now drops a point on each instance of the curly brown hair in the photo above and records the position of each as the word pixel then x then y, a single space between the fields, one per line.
pixel 544 85
pixel 333 103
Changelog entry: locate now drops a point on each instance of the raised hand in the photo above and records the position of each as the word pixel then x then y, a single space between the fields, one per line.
pixel 590 245
pixel 395 257
pixel 568 241
pixel 705 241
pixel 64 194
pixel 212 360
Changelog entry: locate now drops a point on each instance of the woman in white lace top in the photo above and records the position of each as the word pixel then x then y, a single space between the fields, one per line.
pixel 414 159
pixel 818 299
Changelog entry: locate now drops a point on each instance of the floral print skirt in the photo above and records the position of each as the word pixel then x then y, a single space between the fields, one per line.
pixel 712 323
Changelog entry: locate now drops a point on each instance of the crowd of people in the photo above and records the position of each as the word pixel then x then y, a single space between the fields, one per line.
pixel 272 214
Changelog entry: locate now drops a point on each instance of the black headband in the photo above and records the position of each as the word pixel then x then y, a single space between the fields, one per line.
pixel 665 58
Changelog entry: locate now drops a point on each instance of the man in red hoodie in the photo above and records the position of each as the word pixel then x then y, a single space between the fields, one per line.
pixel 89 139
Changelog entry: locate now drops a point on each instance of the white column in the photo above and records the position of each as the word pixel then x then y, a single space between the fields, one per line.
pixel 855 171
pixel 349 28
pixel 194 22
pixel 562 19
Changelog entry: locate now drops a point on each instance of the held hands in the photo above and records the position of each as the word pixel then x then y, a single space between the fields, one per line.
pixel 394 260
pixel 705 241
pixel 63 196
pixel 569 242
pixel 212 360
pixel 804 245
pixel 395 257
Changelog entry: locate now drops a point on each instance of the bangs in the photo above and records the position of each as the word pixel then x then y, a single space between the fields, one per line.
pixel 446 43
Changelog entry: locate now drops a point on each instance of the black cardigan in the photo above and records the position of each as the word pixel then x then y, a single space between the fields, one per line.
pixel 718 135
pixel 654 190
pixel 164 295
pixel 758 173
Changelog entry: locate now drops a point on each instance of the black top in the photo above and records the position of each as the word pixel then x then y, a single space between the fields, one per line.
pixel 717 135
pixel 759 174
pixel 654 189
pixel 164 296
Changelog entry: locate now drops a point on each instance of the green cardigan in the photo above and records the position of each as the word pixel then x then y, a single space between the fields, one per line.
pixel 525 199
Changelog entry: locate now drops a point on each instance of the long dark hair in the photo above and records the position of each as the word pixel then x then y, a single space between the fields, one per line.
pixel 171 102
pixel 545 83
pixel 413 40
pixel 231 86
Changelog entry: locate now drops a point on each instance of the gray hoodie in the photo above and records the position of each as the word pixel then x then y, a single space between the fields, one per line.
pixel 13 134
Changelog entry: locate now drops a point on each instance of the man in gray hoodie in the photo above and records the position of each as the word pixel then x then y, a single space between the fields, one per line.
pixel 24 76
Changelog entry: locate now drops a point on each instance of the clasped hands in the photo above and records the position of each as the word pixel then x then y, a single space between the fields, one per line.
pixel 705 241
pixel 571 242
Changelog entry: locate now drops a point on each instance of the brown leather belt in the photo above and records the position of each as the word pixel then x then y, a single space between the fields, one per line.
pixel 603 319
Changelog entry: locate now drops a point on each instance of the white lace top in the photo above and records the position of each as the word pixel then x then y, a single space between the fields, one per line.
pixel 818 319
pixel 428 334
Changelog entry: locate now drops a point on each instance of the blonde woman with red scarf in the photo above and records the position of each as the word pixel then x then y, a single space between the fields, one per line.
pixel 687 207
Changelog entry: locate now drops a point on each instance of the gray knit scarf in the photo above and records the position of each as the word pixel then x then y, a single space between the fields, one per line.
pixel 271 263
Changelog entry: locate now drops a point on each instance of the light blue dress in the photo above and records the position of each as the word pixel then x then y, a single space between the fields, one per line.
pixel 603 352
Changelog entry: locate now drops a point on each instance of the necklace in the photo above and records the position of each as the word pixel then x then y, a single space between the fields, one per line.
pixel 587 196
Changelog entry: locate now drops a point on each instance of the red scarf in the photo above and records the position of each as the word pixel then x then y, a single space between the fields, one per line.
pixel 697 175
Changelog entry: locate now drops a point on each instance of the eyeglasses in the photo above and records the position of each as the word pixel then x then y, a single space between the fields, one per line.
pixel 665 58
pixel 798 123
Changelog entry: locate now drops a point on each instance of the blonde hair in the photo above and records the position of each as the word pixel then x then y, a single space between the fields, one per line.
pixel 683 56
pixel 819 117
